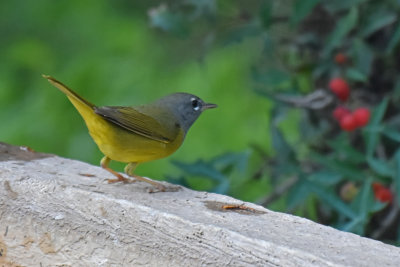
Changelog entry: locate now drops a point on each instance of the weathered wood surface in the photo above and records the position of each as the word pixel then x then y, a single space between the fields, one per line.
pixel 53 214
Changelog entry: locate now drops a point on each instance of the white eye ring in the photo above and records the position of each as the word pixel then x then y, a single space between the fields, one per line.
pixel 195 104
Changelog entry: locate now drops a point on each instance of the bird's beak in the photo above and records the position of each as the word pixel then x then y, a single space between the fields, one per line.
pixel 208 106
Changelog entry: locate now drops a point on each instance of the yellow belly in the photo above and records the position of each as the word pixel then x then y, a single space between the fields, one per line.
pixel 122 145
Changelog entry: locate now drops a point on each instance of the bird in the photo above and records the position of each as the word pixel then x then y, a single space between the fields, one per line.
pixel 137 134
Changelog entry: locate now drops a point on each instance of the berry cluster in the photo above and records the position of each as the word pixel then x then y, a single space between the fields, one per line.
pixel 348 121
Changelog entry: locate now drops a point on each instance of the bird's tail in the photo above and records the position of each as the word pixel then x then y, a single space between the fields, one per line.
pixel 74 97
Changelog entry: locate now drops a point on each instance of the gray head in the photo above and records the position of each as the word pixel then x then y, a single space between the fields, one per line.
pixel 185 107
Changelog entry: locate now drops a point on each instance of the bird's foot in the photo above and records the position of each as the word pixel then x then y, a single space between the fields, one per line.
pixel 121 178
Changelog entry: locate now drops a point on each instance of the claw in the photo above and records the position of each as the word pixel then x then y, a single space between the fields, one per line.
pixel 120 179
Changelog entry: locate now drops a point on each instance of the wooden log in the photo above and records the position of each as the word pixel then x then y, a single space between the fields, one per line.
pixel 60 212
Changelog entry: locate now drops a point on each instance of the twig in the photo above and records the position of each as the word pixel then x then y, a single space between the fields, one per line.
pixel 317 100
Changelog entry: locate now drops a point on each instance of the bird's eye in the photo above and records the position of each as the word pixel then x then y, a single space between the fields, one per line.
pixel 196 104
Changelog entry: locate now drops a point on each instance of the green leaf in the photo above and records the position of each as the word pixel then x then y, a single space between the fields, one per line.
pixel 353 226
pixel 342 168
pixel 332 200
pixel 322 68
pixel 237 34
pixel 298 194
pixel 379 112
pixel 380 167
pixel 397 176
pixel 340 5
pixel 206 170
pixel 377 20
pixel 200 168
pixel 343 27
pixel 394 41
pixel 377 206
pixel 364 56
pixel 345 150
pixel 325 178
pixel 274 78
pixel 364 201
pixel 283 149
pixel 373 131
pixel 392 134
pixel 222 187
pixel 356 75
pixel 365 198
pixel 372 140
pixel 239 160
pixel 302 8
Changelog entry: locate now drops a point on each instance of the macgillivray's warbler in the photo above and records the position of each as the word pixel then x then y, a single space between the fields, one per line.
pixel 137 134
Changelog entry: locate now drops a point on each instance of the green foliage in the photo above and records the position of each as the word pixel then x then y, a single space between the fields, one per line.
pixel 316 168
pixel 222 170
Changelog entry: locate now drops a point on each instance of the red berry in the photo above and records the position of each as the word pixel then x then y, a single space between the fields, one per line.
pixel 340 87
pixel 361 116
pixel 340 58
pixel 382 193
pixel 377 186
pixel 340 112
pixel 348 123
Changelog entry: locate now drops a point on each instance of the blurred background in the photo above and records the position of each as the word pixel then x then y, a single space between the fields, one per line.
pixel 308 93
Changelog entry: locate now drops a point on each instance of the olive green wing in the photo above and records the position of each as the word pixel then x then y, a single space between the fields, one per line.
pixel 136 122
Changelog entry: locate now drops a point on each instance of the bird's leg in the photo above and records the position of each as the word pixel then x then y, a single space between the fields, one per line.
pixel 130 168
pixel 104 164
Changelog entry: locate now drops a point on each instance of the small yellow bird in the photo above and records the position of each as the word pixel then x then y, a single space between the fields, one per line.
pixel 137 134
